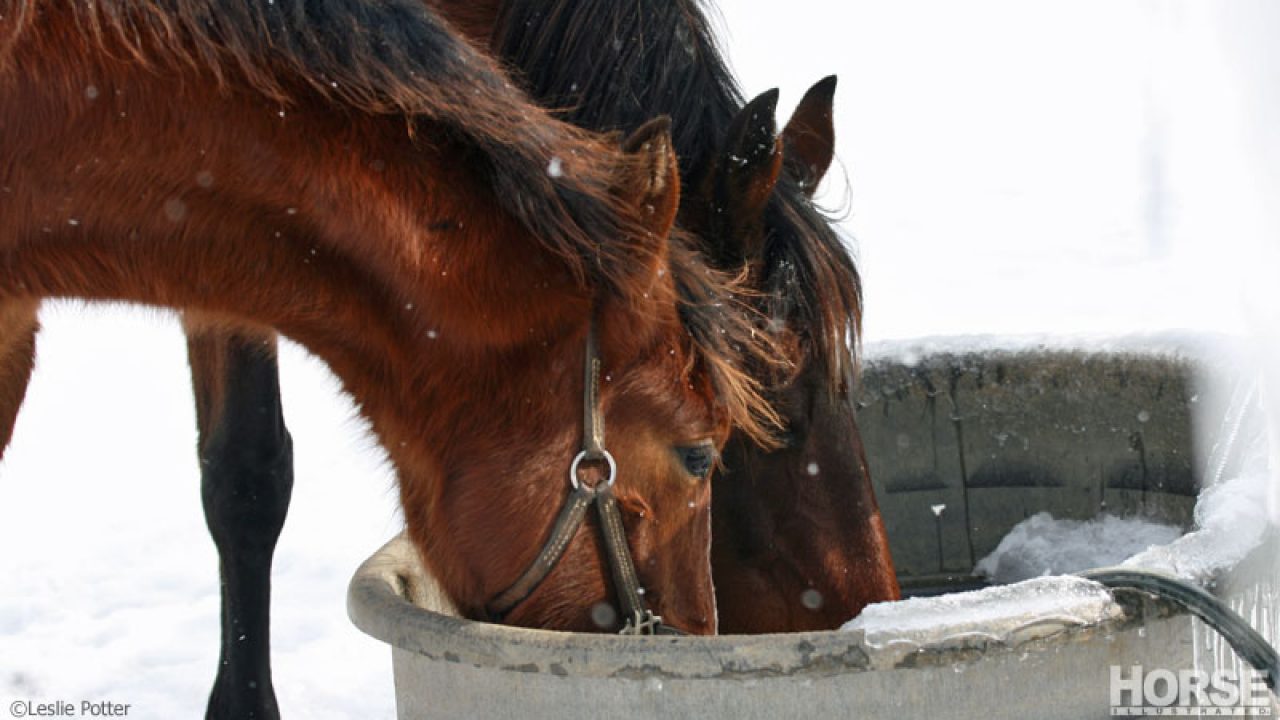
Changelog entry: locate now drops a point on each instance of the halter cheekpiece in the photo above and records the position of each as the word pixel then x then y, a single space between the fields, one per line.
pixel 638 618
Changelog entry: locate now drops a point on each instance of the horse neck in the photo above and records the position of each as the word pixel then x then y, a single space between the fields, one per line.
pixel 388 258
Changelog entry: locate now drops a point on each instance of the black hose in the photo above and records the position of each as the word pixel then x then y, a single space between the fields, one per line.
pixel 1248 644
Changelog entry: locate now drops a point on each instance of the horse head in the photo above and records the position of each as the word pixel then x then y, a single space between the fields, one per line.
pixel 797 526
pixel 668 337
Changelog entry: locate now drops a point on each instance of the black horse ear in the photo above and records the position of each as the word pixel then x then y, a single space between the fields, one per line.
pixel 743 180
pixel 809 138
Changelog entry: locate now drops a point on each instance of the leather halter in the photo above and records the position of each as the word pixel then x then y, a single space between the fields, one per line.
pixel 640 620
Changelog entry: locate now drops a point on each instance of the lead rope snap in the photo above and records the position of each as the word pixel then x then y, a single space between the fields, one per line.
pixel 642 622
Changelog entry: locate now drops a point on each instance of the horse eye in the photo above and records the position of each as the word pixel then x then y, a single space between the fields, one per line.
pixel 697 459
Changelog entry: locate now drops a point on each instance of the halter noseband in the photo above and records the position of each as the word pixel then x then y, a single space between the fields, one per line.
pixel 640 620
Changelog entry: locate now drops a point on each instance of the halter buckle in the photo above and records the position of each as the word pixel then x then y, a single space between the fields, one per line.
pixel 600 454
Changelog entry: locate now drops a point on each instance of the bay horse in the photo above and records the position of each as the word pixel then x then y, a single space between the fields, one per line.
pixel 797 541
pixel 360 178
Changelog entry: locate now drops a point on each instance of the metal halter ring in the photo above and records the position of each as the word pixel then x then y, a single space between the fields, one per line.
pixel 602 453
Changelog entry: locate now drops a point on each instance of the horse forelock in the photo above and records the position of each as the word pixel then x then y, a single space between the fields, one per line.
pixel 811 268
pixel 719 313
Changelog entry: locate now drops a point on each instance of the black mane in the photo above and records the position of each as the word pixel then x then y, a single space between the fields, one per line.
pixel 613 65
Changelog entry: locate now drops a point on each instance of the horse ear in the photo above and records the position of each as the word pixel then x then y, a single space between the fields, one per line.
pixel 655 189
pixel 810 136
pixel 743 179
pixel 752 158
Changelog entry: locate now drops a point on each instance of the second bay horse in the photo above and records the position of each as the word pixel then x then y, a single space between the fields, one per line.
pixel 797 541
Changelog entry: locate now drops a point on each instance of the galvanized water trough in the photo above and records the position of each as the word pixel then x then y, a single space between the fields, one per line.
pixel 994 436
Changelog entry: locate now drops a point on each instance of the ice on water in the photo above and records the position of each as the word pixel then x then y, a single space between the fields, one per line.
pixel 1231 515
pixel 1004 613
pixel 1045 545
pixel 1231 521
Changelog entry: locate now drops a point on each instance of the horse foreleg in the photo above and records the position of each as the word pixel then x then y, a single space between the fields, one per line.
pixel 246 463
pixel 18 326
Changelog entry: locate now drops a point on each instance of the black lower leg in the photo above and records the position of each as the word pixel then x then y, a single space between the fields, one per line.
pixel 247 476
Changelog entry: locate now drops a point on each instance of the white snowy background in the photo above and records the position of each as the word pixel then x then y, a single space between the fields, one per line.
pixel 1013 167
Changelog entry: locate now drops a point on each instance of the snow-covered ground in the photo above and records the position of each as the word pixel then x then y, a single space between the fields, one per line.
pixel 1014 167
pixel 111 588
